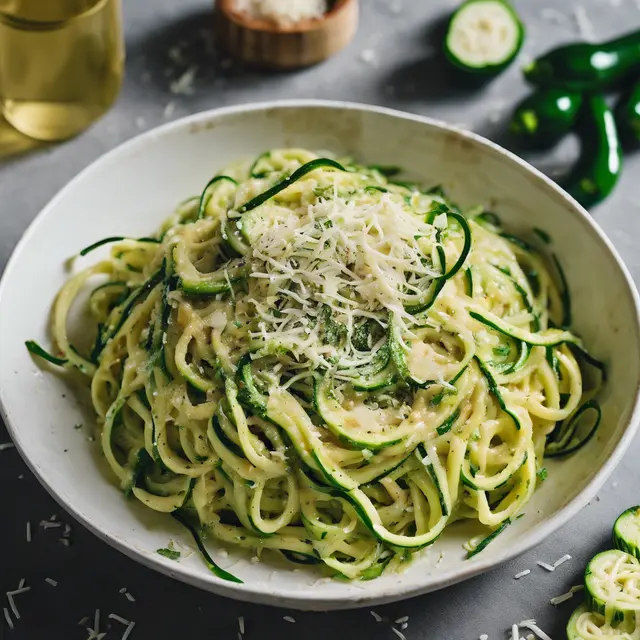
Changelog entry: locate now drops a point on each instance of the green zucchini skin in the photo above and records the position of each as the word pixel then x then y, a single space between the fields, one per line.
pixel 587 67
pixel 627 114
pixel 294 177
pixel 567 438
pixel 185 521
pixel 208 191
pixel 35 349
pixel 543 118
pixel 597 172
pixel 600 596
pixel 626 532
pixel 486 70
pixel 489 539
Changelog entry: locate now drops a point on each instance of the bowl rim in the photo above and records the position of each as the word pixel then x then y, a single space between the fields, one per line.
pixel 293 597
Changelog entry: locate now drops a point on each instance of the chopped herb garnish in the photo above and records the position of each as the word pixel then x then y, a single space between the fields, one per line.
pixel 502 350
pixel 333 332
pixel 542 474
pixel 169 553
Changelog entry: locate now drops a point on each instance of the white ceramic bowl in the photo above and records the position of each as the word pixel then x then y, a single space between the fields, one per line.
pixel 131 189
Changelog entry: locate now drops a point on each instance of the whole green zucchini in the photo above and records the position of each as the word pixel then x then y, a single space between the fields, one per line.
pixel 587 67
pixel 545 116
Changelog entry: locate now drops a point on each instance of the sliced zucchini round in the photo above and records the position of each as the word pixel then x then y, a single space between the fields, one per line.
pixel 588 625
pixel 359 426
pixel 612 584
pixel 626 532
pixel 484 36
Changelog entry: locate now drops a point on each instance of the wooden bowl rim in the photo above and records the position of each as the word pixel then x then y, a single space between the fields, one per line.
pixel 336 12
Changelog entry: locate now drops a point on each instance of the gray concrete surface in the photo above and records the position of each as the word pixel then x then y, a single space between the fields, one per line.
pixel 400 69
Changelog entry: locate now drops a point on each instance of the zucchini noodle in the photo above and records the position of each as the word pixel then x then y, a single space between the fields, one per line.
pixel 312 359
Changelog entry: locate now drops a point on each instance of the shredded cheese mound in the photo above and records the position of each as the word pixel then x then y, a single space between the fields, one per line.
pixel 344 259
pixel 283 11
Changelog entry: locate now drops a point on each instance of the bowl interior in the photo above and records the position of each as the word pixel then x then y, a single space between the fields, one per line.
pixel 131 190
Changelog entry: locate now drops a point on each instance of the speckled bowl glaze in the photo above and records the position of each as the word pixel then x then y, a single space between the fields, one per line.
pixel 131 189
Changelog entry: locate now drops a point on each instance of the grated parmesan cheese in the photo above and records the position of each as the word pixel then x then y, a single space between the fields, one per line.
pixel 532 626
pixel 117 618
pixel 284 12
pixel 184 84
pixel 355 260
pixel 7 617
pixel 562 560
pixel 399 633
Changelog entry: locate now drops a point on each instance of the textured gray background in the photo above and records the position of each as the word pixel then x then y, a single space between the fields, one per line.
pixel 400 68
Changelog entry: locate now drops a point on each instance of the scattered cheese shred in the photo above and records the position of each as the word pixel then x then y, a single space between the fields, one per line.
pixel 562 560
pixel 117 618
pixel 7 617
pixel 522 574
pixel 128 630
pixel 399 633
pixel 532 626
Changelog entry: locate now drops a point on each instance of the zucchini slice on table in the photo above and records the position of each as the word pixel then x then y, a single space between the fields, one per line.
pixel 484 36
pixel 587 625
pixel 612 581
pixel 626 532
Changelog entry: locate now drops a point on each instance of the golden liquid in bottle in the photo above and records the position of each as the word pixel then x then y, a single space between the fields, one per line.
pixel 61 64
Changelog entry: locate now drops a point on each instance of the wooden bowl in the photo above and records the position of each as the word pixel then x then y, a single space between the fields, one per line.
pixel 266 44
